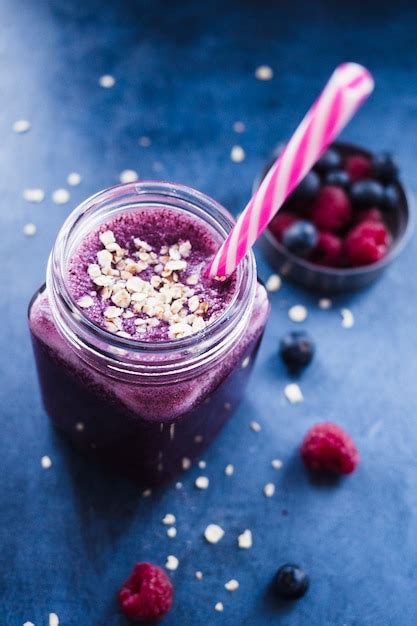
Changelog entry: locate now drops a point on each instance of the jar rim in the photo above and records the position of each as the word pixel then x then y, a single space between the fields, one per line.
pixel 121 198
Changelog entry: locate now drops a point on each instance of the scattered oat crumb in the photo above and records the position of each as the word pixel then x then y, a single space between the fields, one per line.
pixel 298 313
pixel 276 464
pixel 325 304
pixel 147 493
pixel 29 230
pixel 185 463
pixel 198 439
pixel 53 619
pixel 227 406
pixel 256 427
pixel 229 470
pixel 264 72
pixel 293 393
pixel 347 318
pixel 232 585
pixel 172 532
pixel 33 195
pixel 46 462
pixel 21 126
pixel 172 563
pixel 273 283
pixel 169 519
pixel 128 176
pixel 239 127
pixel 199 575
pixel 107 81
pixel 202 464
pixel 28 624
pixel 237 154
pixel 213 533
pixel 269 490
pixel 73 179
pixel 178 485
pixel 60 196
pixel 219 606
pixel 145 142
pixel 245 540
pixel 202 482
pixel 79 426
pixel 245 362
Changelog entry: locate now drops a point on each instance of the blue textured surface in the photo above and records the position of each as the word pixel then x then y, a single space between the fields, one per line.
pixel 185 73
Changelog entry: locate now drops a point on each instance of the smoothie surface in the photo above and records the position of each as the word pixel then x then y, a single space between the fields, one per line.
pixel 141 275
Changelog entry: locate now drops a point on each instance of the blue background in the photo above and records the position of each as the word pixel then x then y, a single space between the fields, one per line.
pixel 185 74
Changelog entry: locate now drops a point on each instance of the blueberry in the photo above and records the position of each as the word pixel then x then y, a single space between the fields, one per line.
pixel 391 197
pixel 384 167
pixel 331 160
pixel 307 189
pixel 300 237
pixel 297 349
pixel 337 178
pixel 367 193
pixel 291 582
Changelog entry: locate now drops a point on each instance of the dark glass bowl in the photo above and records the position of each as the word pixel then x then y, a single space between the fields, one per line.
pixel 329 279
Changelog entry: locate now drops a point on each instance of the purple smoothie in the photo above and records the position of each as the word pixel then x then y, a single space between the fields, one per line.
pixel 149 430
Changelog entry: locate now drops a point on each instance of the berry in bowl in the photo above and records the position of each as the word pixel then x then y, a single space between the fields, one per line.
pixel 343 224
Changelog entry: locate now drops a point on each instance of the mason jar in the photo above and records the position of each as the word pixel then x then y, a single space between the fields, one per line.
pixel 146 408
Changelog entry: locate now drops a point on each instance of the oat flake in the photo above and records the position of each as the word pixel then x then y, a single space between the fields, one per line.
pixel 147 493
pixel 276 464
pixel 60 196
pixel 29 230
pixel 53 619
pixel 79 426
pixel 199 575
pixel 245 540
pixel 213 533
pixel 172 563
pixel 229 470
pixel 21 126
pixel 128 176
pixel 237 154
pixel 169 519
pixel 298 313
pixel 239 127
pixel 107 81
pixel 256 427
pixel 185 463
pixel 178 485
pixel 73 179
pixel 347 318
pixel 202 482
pixel 172 532
pixel 269 490
pixel 273 283
pixel 219 607
pixel 46 462
pixel 264 72
pixel 325 304
pixel 202 464
pixel 33 195
pixel 232 585
pixel 293 393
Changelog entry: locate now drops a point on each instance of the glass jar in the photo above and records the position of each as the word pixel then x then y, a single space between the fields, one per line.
pixel 146 408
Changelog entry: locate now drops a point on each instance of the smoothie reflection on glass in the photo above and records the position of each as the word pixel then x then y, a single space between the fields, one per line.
pixel 141 356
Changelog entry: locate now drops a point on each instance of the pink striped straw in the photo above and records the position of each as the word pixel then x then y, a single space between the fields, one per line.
pixel 348 87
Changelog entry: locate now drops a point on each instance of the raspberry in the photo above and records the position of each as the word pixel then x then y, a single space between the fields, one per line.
pixel 281 222
pixel 326 447
pixel 331 209
pixel 146 594
pixel 328 250
pixel 367 243
pixel 369 215
pixel 358 167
